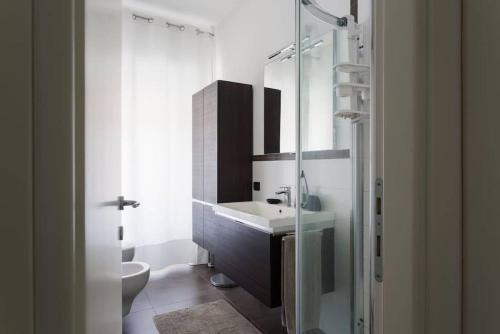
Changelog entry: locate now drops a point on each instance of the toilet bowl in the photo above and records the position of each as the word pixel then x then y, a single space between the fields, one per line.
pixel 128 251
pixel 135 275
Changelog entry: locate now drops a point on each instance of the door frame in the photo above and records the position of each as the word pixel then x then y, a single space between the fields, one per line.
pixel 55 164
pixel 419 212
pixel 16 176
pixel 59 166
pixel 418 155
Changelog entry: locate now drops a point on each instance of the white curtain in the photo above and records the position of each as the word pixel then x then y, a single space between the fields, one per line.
pixel 162 68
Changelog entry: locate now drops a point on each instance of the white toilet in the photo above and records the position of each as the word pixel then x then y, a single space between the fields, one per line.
pixel 135 276
pixel 128 251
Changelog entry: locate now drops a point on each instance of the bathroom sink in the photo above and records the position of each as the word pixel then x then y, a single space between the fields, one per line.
pixel 272 218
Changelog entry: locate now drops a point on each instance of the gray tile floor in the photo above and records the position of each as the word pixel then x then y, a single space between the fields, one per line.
pixel 182 286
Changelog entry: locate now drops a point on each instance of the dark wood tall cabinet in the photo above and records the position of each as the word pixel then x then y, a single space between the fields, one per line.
pixel 222 153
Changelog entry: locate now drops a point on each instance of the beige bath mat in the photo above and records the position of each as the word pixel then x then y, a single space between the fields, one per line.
pixel 212 318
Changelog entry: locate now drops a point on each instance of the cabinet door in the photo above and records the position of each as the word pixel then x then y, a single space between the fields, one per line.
pixel 198 224
pixel 244 254
pixel 235 133
pixel 210 118
pixel 198 146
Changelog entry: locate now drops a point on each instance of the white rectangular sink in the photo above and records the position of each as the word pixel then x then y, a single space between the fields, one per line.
pixel 272 218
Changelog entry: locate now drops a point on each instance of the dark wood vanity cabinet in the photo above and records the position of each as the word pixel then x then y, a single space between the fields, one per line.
pixel 222 152
pixel 251 258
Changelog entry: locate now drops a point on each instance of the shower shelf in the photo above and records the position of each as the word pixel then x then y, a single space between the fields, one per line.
pixel 351 68
pixel 345 89
pixel 350 114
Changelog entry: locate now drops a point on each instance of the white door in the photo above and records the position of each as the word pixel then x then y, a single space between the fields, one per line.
pixel 102 166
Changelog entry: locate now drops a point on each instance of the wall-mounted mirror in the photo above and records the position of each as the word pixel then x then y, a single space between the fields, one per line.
pixel 279 103
pixel 318 110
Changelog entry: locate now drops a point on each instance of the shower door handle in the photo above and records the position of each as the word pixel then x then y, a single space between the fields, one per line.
pixel 122 203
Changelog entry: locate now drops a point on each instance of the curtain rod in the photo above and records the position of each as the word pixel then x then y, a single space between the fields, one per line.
pixel 181 27
pixel 148 19
pixel 178 26
pixel 201 32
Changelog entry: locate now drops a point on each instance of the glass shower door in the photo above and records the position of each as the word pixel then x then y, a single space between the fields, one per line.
pixel 333 195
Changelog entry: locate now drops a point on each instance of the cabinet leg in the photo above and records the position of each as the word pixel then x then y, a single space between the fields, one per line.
pixel 211 261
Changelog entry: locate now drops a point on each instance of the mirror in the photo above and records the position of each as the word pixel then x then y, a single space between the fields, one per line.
pixel 279 103
pixel 318 110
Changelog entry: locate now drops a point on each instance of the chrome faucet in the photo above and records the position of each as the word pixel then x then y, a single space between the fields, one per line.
pixel 287 191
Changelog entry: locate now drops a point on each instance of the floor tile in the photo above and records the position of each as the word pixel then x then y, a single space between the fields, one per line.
pixel 183 286
pixel 141 303
pixel 245 303
pixel 188 303
pixel 139 323
pixel 173 272
pixel 204 271
pixel 170 292
pixel 270 325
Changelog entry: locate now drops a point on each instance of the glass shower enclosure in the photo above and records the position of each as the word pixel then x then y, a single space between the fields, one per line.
pixel 333 166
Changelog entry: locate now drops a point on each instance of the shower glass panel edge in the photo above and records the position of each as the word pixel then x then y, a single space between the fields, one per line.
pixel 298 166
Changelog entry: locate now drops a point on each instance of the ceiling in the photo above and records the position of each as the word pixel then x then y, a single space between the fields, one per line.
pixel 207 12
